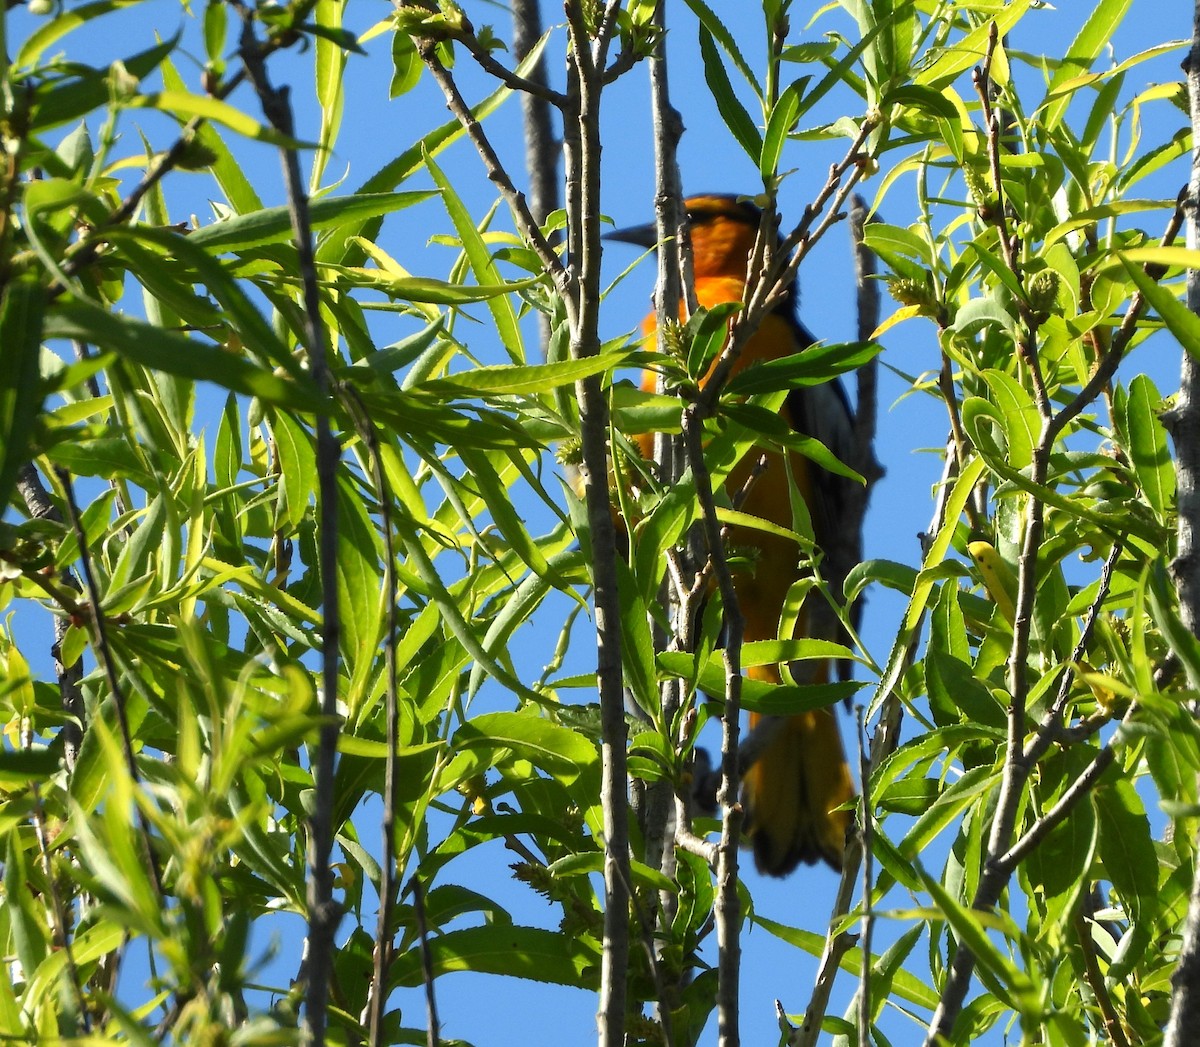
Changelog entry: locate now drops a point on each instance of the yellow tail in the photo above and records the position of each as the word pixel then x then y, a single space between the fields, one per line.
pixel 791 791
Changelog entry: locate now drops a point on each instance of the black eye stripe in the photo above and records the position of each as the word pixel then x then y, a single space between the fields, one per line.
pixel 706 208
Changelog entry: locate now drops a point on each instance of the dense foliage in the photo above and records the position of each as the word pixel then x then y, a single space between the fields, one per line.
pixel 361 544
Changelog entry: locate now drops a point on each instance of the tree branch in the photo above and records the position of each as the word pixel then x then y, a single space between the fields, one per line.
pixel 1183 1026
pixel 323 913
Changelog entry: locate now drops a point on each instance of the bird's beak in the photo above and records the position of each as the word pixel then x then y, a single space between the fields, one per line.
pixel 639 235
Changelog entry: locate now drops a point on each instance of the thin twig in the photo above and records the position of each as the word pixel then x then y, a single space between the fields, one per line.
pixel 60 923
pixel 432 1025
pixel 1027 345
pixel 1096 982
pixel 581 140
pixel 323 914
pixel 728 906
pixel 868 915
pixel 382 955
pixel 527 225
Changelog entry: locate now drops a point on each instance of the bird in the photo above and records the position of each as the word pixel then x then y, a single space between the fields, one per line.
pixel 794 793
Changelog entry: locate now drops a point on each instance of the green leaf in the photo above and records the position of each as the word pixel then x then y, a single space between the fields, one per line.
pixel 187 106
pixel 181 251
pixel 297 460
pixel 948 807
pixel 228 172
pixel 480 260
pixel 342 248
pixel 741 125
pixel 54 29
pixel 711 22
pixel 957 56
pixel 771 699
pixel 755 420
pixel 637 642
pixel 971 927
pixel 520 379
pixel 358 574
pixel 560 751
pixel 274 224
pixel 21 389
pixel 1147 445
pixel 176 354
pixel 906 986
pixel 1180 320
pixel 61 101
pixel 1022 423
pixel 779 125
pixel 812 366
pixel 1106 16
pixel 406 65
pixel 519 952
pixel 1127 848
pixel 496 494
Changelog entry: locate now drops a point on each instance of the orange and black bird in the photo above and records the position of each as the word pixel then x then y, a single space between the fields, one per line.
pixel 792 792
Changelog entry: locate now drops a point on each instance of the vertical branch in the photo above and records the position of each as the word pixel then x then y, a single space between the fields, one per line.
pixel 432 1036
pixel 581 134
pixel 1183 1027
pixel 868 875
pixel 667 130
pixel 70 677
pixel 728 906
pixel 323 913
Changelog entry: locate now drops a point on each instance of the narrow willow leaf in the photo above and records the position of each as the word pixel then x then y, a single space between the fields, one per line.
pixel 1022 423
pixel 331 45
pixel 519 952
pixel 779 126
pixel 1127 848
pixel 186 106
pixel 176 354
pixel 960 55
pixel 948 808
pixel 296 458
pixel 61 101
pixel 22 312
pixel 520 379
pixel 406 65
pixel 240 194
pixel 1180 320
pixel 560 751
pixel 479 258
pixel 906 986
pixel 714 24
pixel 1106 16
pixel 812 366
pixel 273 224
pixel 1148 449
pixel 739 122
pixel 54 29
pixel 758 696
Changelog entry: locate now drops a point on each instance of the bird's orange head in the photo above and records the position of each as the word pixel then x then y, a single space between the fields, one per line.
pixel 722 228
